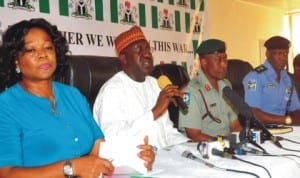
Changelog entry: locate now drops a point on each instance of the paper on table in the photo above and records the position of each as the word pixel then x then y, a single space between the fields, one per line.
pixel 123 151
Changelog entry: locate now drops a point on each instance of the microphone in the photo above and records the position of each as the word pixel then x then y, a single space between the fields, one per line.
pixel 238 102
pixel 252 150
pixel 223 154
pixel 244 109
pixel 163 81
pixel 189 155
pixel 275 140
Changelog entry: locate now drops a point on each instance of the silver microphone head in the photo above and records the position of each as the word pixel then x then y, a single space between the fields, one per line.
pixel 186 154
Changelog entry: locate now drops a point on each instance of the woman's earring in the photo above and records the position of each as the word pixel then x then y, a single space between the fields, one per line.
pixel 18 70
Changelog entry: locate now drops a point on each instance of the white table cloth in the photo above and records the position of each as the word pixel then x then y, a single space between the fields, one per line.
pixel 170 164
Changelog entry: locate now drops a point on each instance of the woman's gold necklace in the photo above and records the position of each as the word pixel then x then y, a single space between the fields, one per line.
pixel 52 99
pixel 53 109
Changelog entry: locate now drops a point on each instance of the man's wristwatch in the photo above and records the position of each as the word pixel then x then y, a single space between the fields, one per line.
pixel 288 120
pixel 68 169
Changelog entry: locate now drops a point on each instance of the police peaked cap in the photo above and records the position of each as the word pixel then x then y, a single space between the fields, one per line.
pixel 277 42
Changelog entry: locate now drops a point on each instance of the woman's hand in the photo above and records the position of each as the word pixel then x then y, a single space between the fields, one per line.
pixel 92 166
pixel 147 154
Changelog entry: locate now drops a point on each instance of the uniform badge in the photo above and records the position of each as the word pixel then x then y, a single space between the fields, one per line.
pixel 270 85
pixel 252 85
pixel 288 92
pixel 213 105
pixel 207 87
pixel 187 97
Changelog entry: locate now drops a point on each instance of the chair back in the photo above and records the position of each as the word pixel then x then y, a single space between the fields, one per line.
pixel 237 69
pixel 89 73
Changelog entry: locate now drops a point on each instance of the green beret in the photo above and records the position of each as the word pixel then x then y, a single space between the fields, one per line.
pixel 211 46
pixel 277 42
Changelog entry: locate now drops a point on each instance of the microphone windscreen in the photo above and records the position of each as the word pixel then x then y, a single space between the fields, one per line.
pixel 234 98
pixel 186 154
pixel 237 102
pixel 163 81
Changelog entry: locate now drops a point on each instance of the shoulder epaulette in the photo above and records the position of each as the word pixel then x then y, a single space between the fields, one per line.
pixel 260 68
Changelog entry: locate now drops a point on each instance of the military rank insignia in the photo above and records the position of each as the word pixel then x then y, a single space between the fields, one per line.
pixel 207 87
pixel 260 69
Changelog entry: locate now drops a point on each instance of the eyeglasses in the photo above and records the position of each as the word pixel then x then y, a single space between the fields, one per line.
pixel 140 47
pixel 208 113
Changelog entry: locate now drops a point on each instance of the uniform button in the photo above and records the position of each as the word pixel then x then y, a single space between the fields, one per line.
pixel 76 139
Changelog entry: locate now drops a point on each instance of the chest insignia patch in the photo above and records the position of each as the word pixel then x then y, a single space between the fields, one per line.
pixel 187 97
pixel 288 92
pixel 252 85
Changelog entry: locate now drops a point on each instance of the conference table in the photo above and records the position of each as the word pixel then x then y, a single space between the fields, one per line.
pixel 170 163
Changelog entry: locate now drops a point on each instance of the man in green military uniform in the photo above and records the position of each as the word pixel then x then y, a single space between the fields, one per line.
pixel 209 114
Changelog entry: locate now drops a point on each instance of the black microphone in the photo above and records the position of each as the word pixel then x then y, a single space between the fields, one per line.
pixel 223 154
pixel 251 150
pixel 238 102
pixel 244 109
pixel 275 140
pixel 189 155
pixel 163 81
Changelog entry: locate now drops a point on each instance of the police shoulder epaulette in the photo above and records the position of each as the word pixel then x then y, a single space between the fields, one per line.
pixel 260 68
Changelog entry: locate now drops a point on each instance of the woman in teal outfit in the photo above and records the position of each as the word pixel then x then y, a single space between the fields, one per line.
pixel 46 127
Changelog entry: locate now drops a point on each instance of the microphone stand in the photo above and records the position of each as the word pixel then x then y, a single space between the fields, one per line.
pixel 248 137
pixel 266 134
pixel 245 110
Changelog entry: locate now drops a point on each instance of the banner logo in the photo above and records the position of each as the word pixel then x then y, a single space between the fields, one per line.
pixel 166 19
pixel 21 4
pixel 127 13
pixel 197 25
pixel 81 8
pixel 182 3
